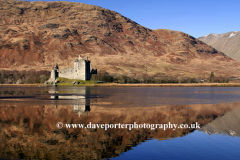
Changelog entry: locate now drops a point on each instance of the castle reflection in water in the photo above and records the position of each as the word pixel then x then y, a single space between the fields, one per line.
pixel 83 106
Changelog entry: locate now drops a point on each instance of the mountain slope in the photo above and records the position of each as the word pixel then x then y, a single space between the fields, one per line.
pixel 227 43
pixel 36 35
pixel 227 124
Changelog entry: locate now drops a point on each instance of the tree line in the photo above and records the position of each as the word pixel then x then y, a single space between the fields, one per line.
pixel 23 77
pixel 31 76
pixel 106 77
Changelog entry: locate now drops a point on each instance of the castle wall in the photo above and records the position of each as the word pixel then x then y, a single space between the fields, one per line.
pixel 66 73
pixel 88 70
pixel 54 75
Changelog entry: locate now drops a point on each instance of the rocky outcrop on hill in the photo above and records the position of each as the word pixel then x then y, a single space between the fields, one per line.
pixel 36 35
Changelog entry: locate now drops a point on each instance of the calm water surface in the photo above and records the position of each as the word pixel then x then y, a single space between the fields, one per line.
pixel 28 118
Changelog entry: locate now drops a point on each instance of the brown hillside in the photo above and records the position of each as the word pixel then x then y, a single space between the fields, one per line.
pixel 36 35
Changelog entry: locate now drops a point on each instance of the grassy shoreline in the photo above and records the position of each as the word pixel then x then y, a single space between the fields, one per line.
pixel 139 85
pixel 170 84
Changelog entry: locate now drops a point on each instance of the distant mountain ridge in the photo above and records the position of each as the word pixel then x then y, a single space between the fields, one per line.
pixel 228 43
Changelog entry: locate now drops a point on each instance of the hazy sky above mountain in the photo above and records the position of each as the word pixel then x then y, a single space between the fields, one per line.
pixel 196 18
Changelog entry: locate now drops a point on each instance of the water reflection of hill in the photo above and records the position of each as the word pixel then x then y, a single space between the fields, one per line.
pixel 226 125
pixel 30 132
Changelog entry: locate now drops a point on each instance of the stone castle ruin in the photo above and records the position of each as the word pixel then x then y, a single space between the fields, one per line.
pixel 82 70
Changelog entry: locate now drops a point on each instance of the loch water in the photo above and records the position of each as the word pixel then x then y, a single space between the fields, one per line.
pixel 34 122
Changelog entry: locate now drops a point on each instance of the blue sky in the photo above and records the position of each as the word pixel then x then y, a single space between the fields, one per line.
pixel 196 18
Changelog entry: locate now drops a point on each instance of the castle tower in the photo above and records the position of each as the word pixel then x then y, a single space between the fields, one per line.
pixel 54 73
pixel 79 69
